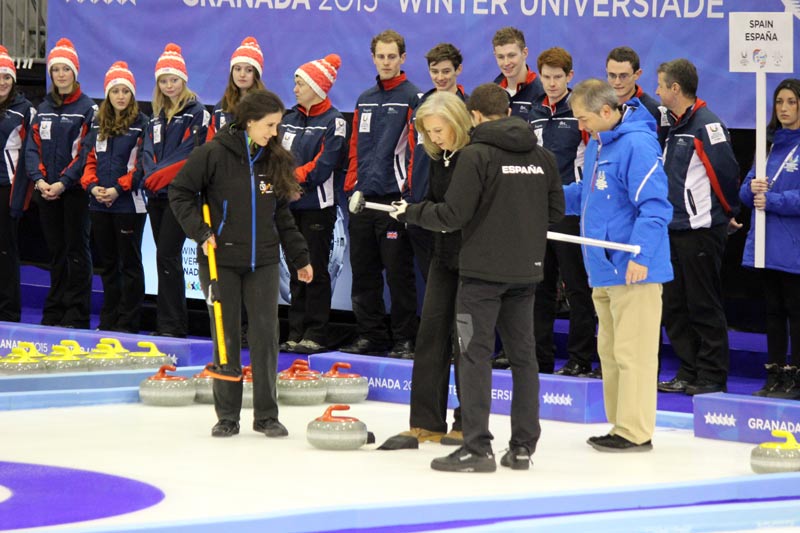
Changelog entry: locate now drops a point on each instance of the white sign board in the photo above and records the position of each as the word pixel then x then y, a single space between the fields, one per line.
pixel 761 42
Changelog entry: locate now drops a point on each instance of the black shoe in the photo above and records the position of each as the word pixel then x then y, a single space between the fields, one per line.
pixel 597 373
pixel 773 380
pixel 363 346
pixel 517 458
pixel 673 385
pixel 705 387
pixel 591 441
pixel 501 362
pixel 402 350
pixel 270 427
pixel 788 386
pixel 617 444
pixel 288 346
pixel 225 428
pixel 463 460
pixel 574 369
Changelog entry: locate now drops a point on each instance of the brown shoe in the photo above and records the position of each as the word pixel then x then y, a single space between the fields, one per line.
pixel 454 438
pixel 423 435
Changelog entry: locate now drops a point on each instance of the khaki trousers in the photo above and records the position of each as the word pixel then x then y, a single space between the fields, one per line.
pixel 629 319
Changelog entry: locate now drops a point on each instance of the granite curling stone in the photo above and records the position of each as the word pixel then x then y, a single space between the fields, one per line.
pixel 164 390
pixel 773 457
pixel 345 387
pixel 329 432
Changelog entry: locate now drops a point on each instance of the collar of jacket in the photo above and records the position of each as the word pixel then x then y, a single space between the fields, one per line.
pixel 689 113
pixel 388 85
pixel 316 109
pixel 528 80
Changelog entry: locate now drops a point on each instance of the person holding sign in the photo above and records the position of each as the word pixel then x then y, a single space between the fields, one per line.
pixel 247 179
pixel 179 124
pixel 778 194
pixel 703 185
pixel 116 206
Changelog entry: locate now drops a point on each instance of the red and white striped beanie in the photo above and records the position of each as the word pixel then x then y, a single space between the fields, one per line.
pixel 64 54
pixel 320 74
pixel 7 64
pixel 119 74
pixel 171 62
pixel 249 52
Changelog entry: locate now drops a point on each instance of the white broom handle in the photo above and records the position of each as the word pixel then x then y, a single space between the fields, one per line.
pixel 564 237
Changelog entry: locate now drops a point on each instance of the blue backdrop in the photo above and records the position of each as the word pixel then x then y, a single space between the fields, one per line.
pixel 292 32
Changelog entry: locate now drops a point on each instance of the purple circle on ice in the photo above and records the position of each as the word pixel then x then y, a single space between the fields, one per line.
pixel 49 495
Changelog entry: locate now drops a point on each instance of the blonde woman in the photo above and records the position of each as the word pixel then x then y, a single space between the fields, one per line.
pixel 179 123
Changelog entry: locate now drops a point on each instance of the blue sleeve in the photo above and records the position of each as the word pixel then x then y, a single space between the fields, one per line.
pixel 745 194
pixel 572 198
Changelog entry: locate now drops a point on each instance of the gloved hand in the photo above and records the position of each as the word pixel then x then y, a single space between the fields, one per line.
pixel 399 210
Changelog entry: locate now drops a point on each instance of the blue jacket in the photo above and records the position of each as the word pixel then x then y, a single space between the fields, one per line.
pixel 379 144
pixel 557 130
pixel 416 187
pixel 112 162
pixel 702 170
pixel 15 125
pixel 660 114
pixel 54 150
pixel 219 119
pixel 527 93
pixel 167 145
pixel 316 138
pixel 782 242
pixel 623 198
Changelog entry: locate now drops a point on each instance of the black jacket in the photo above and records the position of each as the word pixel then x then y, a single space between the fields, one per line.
pixel 446 245
pixel 220 171
pixel 505 192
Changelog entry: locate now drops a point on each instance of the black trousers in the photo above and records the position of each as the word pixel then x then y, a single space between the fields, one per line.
pixel 422 244
pixel 258 290
pixel 10 303
pixel 65 224
pixel 172 315
pixel 693 313
pixel 118 242
pixel 481 306
pixel 782 295
pixel 568 259
pixel 430 377
pixel 311 302
pixel 378 242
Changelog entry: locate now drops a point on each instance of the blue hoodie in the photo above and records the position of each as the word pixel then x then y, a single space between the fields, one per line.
pixel 783 205
pixel 623 198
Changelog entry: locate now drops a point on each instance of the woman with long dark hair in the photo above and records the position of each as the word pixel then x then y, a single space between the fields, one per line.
pixel 247 179
pixel 54 161
pixel 116 205
pixel 778 194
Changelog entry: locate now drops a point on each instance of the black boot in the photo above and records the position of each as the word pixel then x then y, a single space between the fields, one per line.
pixel 773 379
pixel 789 387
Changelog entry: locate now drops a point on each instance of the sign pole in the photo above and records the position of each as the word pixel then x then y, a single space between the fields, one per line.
pixel 761 165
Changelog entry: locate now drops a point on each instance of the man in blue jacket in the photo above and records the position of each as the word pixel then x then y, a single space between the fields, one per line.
pixel 704 192
pixel 623 198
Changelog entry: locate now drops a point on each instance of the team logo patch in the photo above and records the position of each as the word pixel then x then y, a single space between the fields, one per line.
pixel 341 128
pixel 264 187
pixel 791 165
pixel 391 235
pixel 601 184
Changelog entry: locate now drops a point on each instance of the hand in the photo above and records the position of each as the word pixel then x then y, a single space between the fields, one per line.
pixel 758 185
pixel 760 201
pixel 98 193
pixel 305 274
pixel 211 241
pixel 399 209
pixel 635 273
pixel 734 226
pixel 54 191
pixel 110 195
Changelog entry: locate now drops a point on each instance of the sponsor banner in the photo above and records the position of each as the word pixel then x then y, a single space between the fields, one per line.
pixel 184 352
pixel 292 32
pixel 565 399
pixel 744 418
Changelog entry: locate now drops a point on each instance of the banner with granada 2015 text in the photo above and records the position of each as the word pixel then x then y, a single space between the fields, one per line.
pixel 292 32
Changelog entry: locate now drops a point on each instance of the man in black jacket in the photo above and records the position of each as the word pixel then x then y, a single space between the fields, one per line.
pixel 505 192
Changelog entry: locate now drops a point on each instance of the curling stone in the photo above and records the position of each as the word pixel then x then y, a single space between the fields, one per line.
pixel 330 432
pixel 102 358
pixel 299 387
pixel 152 358
pixel 343 387
pixel 30 349
pixel 299 364
pixel 771 457
pixel 63 360
pixel 204 387
pixel 19 361
pixel 165 390
pixel 247 387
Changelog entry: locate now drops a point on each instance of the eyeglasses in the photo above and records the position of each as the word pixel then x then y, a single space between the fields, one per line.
pixel 621 77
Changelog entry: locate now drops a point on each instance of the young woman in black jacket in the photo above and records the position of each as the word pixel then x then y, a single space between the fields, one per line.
pixel 247 179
